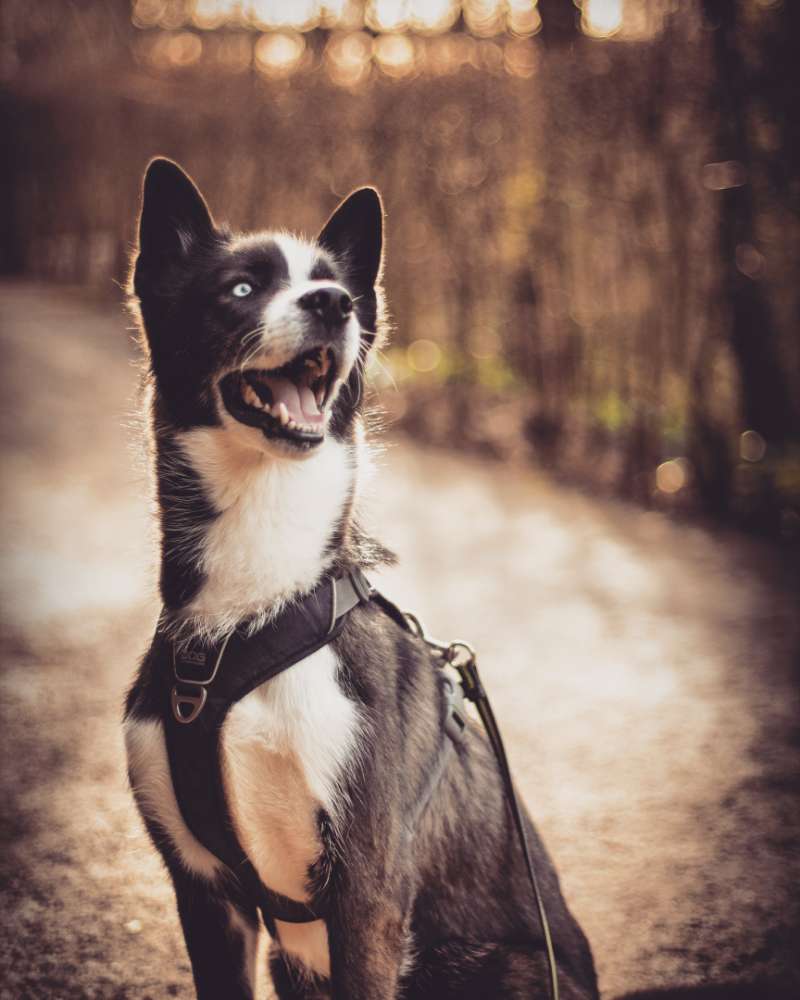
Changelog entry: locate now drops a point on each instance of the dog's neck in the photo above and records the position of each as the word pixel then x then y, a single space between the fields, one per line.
pixel 243 532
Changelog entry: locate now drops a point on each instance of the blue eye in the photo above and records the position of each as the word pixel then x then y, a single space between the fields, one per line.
pixel 242 290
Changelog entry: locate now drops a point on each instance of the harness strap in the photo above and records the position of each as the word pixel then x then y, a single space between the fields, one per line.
pixel 206 681
pixel 455 722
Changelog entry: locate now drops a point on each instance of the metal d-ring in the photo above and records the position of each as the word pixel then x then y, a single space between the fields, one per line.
pixel 195 701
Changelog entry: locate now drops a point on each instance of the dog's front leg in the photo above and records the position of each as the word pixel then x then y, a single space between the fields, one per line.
pixel 368 944
pixel 221 939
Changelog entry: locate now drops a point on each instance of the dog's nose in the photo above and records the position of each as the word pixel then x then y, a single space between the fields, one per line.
pixel 331 303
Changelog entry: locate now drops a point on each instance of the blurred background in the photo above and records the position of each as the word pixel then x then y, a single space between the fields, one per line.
pixel 592 209
pixel 593 397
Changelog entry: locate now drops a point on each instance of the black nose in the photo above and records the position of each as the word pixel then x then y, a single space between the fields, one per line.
pixel 331 303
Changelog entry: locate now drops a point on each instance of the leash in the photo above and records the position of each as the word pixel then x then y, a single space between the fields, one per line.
pixel 462 658
pixel 201 693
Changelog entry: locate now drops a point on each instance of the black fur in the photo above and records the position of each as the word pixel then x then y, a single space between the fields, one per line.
pixel 446 910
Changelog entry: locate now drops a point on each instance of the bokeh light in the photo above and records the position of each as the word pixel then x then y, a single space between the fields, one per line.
pixel 602 18
pixel 342 14
pixel 386 15
pixel 184 48
pixel 484 18
pixel 299 14
pixel 521 57
pixel 348 56
pixel 752 446
pixel 210 14
pixel 394 54
pixel 523 18
pixel 423 356
pixel 449 53
pixel 432 16
pixel 672 476
pixel 278 54
pixel 147 13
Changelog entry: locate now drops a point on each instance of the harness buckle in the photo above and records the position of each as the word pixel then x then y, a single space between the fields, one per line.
pixel 190 666
pixel 361 584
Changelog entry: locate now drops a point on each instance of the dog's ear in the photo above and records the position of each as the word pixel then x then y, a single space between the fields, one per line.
pixel 354 235
pixel 174 217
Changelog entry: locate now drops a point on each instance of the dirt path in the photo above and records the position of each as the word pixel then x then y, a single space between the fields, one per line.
pixel 644 672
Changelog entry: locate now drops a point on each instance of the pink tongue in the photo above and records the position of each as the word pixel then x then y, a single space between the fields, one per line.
pixel 300 403
pixel 308 403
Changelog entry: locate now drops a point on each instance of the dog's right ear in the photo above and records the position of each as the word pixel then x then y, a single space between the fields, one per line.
pixel 174 217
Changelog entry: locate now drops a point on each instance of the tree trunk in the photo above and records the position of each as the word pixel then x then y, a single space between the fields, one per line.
pixel 766 402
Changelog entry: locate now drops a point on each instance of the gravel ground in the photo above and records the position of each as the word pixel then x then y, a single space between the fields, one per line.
pixel 645 674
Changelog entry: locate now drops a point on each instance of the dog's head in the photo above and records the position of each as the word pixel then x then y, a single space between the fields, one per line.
pixel 264 335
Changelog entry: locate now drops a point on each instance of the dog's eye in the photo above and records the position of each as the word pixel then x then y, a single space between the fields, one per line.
pixel 242 290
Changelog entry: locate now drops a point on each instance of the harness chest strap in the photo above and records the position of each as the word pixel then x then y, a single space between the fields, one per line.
pixel 204 682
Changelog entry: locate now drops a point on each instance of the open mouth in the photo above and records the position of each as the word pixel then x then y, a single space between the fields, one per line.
pixel 288 403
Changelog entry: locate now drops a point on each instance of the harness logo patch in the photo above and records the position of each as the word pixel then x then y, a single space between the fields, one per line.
pixel 198 659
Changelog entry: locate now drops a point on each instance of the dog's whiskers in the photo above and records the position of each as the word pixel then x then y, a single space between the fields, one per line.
pixel 250 354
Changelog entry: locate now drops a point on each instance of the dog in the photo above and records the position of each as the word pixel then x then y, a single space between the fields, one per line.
pixel 255 348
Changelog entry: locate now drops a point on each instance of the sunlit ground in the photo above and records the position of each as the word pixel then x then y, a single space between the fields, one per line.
pixel 641 670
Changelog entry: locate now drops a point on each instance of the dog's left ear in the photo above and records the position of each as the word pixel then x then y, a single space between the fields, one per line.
pixel 354 235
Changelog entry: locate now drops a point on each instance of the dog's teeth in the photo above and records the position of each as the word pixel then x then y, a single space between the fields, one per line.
pixel 265 407
pixel 292 425
pixel 283 414
pixel 250 396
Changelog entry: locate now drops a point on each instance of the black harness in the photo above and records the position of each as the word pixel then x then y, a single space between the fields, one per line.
pixel 203 681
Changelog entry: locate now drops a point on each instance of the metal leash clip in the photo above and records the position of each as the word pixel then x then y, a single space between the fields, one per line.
pixel 463 658
pixel 455 691
pixel 457 654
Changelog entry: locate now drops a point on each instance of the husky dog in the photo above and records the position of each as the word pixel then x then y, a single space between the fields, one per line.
pixel 256 347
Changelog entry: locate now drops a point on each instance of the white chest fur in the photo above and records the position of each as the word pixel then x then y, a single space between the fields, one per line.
pixel 287 745
pixel 275 519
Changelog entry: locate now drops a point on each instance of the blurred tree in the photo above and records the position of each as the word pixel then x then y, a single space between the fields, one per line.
pixel 560 23
pixel 598 229
pixel 767 406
